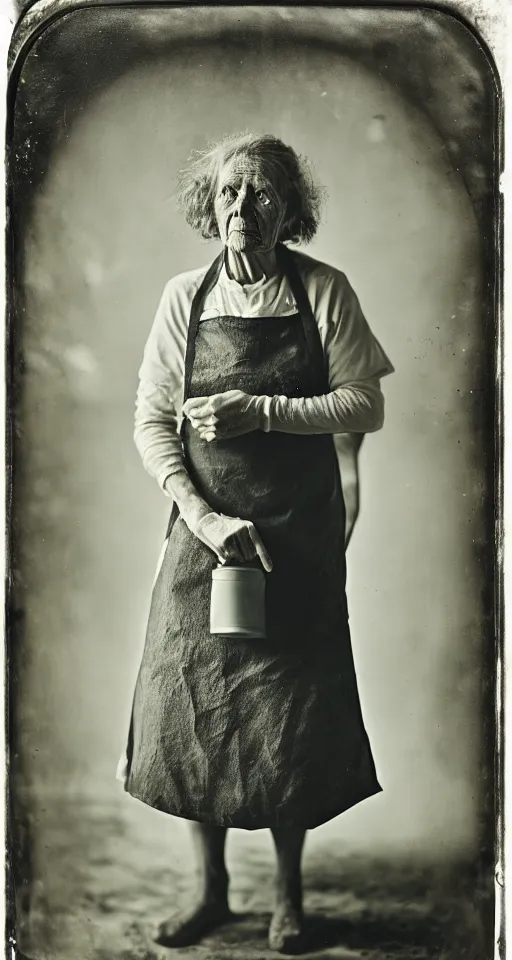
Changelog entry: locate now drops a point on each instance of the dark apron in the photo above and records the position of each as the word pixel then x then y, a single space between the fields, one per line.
pixel 254 733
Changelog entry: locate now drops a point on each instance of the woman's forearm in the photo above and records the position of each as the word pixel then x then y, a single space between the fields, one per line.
pixel 158 441
pixel 190 504
pixel 357 408
pixel 162 455
pixel 156 433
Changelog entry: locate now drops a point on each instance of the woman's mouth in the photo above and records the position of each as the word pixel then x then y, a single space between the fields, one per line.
pixel 247 229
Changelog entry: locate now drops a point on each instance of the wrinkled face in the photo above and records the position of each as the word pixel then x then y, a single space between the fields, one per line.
pixel 249 206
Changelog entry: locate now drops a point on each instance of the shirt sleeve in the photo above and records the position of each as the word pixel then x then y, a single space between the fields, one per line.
pixel 160 390
pixel 356 363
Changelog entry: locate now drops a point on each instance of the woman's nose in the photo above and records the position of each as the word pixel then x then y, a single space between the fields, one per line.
pixel 243 203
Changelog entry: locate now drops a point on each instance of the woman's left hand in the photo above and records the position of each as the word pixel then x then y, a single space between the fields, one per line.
pixel 223 415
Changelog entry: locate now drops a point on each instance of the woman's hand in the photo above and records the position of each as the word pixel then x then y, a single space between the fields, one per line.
pixel 232 539
pixel 224 415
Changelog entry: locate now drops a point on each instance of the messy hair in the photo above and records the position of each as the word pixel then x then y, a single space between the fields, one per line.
pixel 197 184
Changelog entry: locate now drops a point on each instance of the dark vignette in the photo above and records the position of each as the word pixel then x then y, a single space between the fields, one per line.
pixel 475 151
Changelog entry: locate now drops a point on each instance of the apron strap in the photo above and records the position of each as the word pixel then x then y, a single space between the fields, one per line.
pixel 315 349
pixel 196 309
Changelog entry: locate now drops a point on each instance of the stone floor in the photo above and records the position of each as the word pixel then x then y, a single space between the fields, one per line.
pixel 104 874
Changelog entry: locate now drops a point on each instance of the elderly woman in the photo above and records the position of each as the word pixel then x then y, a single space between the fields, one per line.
pixel 253 365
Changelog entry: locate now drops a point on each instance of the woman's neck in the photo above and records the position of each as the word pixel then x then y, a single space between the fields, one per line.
pixel 250 267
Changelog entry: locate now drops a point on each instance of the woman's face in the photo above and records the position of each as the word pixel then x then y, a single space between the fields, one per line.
pixel 249 206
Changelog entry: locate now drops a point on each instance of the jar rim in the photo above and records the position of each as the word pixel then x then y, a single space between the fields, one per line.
pixel 236 573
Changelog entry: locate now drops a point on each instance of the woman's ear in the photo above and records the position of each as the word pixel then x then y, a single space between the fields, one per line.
pixel 289 216
pixel 293 209
pixel 287 232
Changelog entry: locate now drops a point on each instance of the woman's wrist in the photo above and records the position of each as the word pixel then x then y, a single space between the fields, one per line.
pixel 190 504
pixel 193 511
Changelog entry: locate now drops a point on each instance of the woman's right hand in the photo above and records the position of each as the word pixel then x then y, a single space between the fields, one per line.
pixel 231 539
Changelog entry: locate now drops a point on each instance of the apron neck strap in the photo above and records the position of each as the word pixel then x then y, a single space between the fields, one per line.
pixel 288 263
pixel 209 281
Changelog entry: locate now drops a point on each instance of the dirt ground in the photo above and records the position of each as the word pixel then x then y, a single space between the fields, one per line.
pixel 104 875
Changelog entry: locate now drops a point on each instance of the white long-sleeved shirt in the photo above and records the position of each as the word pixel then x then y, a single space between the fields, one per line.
pixel 355 360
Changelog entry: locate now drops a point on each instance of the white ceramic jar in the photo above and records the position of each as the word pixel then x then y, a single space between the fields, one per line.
pixel 238 602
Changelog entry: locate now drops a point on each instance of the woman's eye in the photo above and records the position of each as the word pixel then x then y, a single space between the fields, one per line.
pixel 263 197
pixel 228 193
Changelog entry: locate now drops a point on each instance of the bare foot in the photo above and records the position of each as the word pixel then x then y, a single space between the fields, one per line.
pixel 286 932
pixel 190 927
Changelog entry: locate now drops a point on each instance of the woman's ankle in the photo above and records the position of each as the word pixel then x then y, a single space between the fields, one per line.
pixel 288 897
pixel 215 889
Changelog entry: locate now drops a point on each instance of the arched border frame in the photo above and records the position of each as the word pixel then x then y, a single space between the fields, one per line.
pixel 34 21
